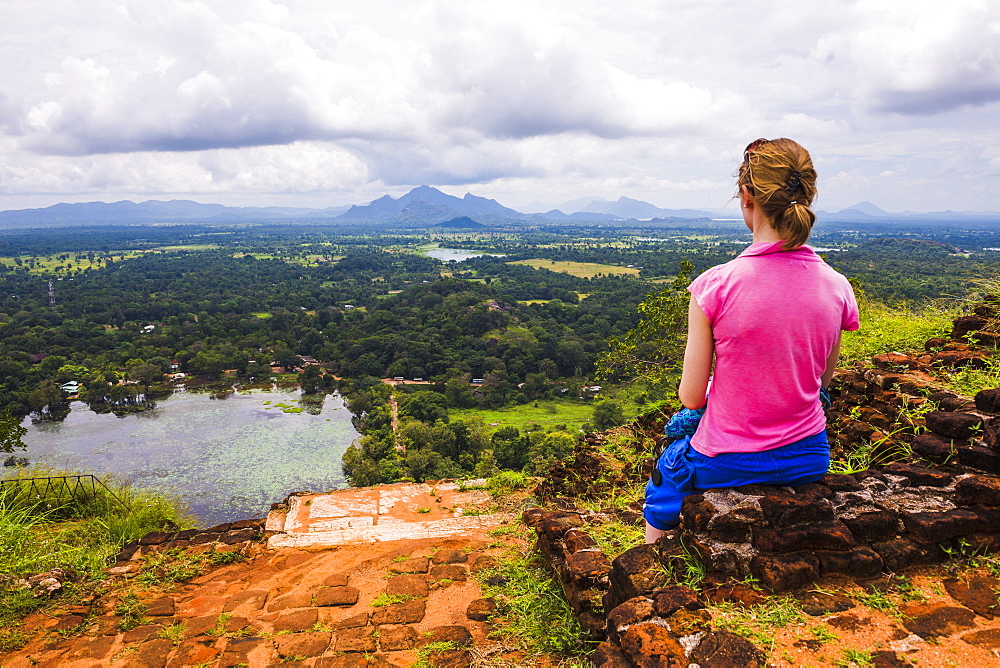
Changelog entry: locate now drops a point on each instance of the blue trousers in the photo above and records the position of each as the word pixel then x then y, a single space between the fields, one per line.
pixel 686 471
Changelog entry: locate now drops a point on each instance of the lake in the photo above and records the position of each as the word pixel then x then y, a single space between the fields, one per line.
pixel 228 459
pixel 456 254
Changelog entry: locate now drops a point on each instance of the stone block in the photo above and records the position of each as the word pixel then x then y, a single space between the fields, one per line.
pixel 455 634
pixel 860 562
pixel 782 572
pixel 814 489
pixel 668 600
pixel 631 612
pixel 336 596
pixel 155 538
pixel 938 527
pixel 935 620
pixel 984 459
pixel 894 361
pixel 722 648
pixel 239 536
pixel 696 513
pixel 991 432
pixel 988 400
pixel 875 525
pixel 194 652
pixel 817 603
pixel 140 633
pixel 394 638
pixel 297 620
pixel 988 639
pixel 608 655
pixel 841 483
pixel 360 639
pixel 336 580
pixel 407 612
pixel 453 572
pixel 900 553
pixel 352 621
pixel 934 447
pixel 729 529
pixel 978 490
pixel 652 645
pixel 953 425
pixel 919 476
pixel 450 556
pixel 151 654
pixel 634 572
pixel 558 523
pixel 407 585
pixel 481 609
pixel 578 540
pixel 247 601
pixel 977 592
pixel 814 536
pixel 736 592
pixel 783 510
pixel 964 325
pixel 411 565
pixel 586 566
pixel 988 519
pixel 302 644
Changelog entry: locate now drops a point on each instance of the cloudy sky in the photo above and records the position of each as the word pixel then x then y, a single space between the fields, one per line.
pixel 319 103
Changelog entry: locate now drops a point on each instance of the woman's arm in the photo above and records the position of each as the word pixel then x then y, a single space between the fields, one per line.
pixel 831 363
pixel 697 358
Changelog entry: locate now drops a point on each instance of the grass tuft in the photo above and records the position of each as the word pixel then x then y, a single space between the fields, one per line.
pixel 532 611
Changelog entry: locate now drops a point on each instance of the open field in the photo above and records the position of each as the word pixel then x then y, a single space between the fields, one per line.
pixel 579 269
pixel 547 413
pixel 65 263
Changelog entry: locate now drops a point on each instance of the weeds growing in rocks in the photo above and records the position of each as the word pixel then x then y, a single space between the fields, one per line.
pixel 170 566
pixel 384 599
pixel 131 610
pixel 969 382
pixel 757 623
pixel 532 612
pixel 40 532
pixel 854 658
pixel 615 537
pixel 173 632
pixel 428 652
pixel 505 482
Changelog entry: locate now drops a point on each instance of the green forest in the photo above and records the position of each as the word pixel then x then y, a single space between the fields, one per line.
pixel 343 308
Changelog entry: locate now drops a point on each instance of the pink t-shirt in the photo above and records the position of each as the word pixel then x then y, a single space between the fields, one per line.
pixel 775 317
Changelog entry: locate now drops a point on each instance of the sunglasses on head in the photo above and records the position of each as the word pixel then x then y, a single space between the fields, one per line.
pixel 753 146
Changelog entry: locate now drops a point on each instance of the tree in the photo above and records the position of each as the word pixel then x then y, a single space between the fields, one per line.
pixel 311 379
pixel 608 414
pixel 11 432
pixel 544 452
pixel 653 350
pixel 426 406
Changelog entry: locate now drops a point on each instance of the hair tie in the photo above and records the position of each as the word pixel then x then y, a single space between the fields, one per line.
pixel 793 182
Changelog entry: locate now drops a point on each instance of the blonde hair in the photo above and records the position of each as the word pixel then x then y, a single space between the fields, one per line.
pixel 779 176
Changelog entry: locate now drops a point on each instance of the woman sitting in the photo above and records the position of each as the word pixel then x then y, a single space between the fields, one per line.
pixel 771 321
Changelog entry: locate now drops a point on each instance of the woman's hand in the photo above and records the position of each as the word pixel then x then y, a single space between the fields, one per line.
pixel 697 358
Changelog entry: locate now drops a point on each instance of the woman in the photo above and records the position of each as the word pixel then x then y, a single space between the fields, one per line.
pixel 771 320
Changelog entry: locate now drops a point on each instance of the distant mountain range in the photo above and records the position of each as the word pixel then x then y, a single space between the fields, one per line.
pixel 423 206
pixel 866 211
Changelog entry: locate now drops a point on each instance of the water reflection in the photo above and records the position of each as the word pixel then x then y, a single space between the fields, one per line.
pixel 228 459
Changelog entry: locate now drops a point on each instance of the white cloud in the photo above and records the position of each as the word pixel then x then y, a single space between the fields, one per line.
pixel 921 57
pixel 512 98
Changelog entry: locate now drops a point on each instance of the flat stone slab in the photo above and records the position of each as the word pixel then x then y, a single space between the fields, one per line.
pixel 399 511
